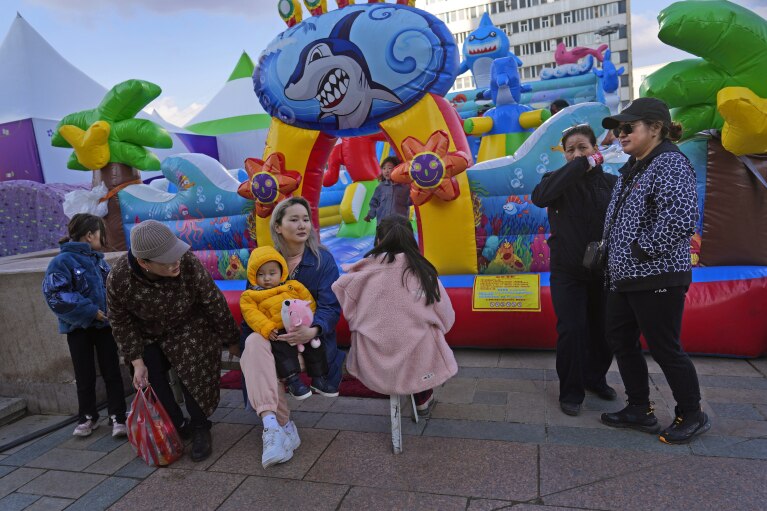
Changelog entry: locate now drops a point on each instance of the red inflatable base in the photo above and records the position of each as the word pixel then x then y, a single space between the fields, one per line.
pixel 721 318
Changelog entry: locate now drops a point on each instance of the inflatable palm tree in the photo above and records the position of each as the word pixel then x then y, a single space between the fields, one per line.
pixel 110 141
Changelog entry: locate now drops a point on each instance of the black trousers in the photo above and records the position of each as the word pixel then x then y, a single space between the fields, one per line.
pixel 583 355
pixel 158 366
pixel 82 343
pixel 657 314
pixel 286 359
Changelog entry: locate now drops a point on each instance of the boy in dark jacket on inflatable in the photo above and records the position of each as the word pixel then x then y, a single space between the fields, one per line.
pixel 390 198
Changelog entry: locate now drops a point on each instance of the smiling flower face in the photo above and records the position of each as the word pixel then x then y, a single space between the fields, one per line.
pixel 427 170
pixel 430 169
pixel 264 187
pixel 268 182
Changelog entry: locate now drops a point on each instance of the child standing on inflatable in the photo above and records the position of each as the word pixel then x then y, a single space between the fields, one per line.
pixel 75 290
pixel 261 306
pixel 398 314
pixel 390 198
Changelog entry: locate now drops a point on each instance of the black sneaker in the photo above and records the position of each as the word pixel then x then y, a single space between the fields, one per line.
pixel 570 408
pixel 322 386
pixel 201 443
pixel 685 427
pixel 297 388
pixel 639 417
pixel 605 392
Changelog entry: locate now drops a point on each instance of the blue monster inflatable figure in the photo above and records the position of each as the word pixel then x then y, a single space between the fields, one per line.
pixel 609 83
pixel 506 126
pixel 608 75
pixel 484 45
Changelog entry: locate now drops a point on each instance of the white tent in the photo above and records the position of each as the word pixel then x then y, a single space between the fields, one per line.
pixel 38 87
pixel 235 117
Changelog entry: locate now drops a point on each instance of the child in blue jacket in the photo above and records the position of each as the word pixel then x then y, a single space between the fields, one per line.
pixel 75 290
pixel 389 198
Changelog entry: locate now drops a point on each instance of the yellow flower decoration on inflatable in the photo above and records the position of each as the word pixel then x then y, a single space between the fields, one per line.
pixel 430 169
pixel 268 183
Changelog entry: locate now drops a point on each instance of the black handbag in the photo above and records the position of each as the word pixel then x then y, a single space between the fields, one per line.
pixel 595 256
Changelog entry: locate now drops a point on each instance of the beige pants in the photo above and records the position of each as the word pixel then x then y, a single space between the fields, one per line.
pixel 265 391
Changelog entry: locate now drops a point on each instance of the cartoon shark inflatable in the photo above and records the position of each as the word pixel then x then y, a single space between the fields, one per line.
pixel 334 72
pixel 484 45
pixel 348 70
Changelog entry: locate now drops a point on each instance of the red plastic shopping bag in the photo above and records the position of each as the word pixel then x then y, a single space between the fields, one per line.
pixel 151 432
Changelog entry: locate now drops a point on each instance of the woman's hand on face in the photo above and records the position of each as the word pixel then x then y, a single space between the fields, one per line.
pixel 301 335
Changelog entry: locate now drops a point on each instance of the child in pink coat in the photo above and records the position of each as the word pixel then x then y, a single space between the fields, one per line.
pixel 398 314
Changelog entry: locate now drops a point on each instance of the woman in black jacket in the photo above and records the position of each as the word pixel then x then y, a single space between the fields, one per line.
pixel 649 268
pixel 577 196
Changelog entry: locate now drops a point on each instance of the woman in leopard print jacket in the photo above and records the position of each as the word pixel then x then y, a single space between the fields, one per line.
pixel 649 223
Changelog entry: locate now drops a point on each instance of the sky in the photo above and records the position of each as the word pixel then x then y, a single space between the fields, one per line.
pixel 189 47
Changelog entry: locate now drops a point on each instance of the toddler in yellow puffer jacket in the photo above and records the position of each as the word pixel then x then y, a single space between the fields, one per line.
pixel 261 306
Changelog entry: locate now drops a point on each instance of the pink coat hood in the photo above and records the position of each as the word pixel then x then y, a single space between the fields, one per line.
pixel 397 341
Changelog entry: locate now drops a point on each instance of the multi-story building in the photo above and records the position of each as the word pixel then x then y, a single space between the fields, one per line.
pixel 535 27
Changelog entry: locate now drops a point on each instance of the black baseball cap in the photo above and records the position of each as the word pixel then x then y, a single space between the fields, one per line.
pixel 647 109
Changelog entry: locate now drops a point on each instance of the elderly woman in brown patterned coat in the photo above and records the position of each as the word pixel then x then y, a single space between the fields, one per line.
pixel 166 312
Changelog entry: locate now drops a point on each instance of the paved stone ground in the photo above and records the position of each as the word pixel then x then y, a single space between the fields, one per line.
pixel 495 440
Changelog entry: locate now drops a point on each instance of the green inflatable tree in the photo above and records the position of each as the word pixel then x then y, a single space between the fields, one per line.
pixel 110 141
pixel 732 42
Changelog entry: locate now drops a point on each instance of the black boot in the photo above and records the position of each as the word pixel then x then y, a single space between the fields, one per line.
pixel 685 427
pixel 185 430
pixel 639 417
pixel 201 443
pixel 605 391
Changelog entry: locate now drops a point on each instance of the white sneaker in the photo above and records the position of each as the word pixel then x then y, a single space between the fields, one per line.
pixel 119 429
pixel 293 439
pixel 276 447
pixel 87 427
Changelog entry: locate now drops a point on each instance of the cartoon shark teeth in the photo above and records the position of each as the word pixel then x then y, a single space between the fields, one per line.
pixel 333 88
pixel 487 48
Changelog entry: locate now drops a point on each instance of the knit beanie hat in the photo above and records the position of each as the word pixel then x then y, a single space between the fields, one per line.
pixel 154 241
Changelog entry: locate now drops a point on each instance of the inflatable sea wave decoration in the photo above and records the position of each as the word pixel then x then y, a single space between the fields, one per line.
pixel 206 212
pixel 581 68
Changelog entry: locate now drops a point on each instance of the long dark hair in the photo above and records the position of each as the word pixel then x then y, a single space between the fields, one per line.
pixel 83 223
pixel 394 235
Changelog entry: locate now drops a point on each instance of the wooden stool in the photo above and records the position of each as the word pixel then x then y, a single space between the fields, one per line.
pixel 396 423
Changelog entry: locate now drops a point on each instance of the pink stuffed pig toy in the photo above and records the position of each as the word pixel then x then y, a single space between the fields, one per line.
pixel 296 313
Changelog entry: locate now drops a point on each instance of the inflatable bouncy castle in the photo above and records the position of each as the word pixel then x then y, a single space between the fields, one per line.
pixel 335 92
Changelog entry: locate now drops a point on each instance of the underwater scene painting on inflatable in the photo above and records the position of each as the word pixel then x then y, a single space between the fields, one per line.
pixel 347 87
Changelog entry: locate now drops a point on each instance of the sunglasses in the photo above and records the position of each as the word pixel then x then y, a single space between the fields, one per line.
pixel 626 128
